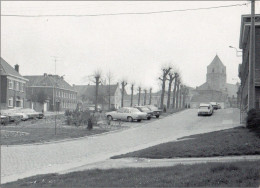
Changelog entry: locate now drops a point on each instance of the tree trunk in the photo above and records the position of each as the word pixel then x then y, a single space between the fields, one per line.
pixel 150 99
pixel 96 101
pixel 132 93
pixel 163 91
pixel 174 93
pixel 145 92
pixel 139 96
pixel 169 92
pixel 177 96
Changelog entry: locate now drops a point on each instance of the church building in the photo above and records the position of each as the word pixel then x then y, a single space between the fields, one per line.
pixel 216 88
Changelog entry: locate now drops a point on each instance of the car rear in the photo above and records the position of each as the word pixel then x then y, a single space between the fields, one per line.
pixel 204 110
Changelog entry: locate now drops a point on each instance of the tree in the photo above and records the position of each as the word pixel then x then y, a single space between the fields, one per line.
pixel 109 78
pixel 145 92
pixel 177 93
pixel 97 81
pixel 185 93
pixel 171 78
pixel 165 72
pixel 139 94
pixel 123 83
pixel 176 75
pixel 150 99
pixel 132 93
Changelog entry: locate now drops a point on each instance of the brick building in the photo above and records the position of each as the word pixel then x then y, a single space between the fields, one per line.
pixel 53 90
pixel 12 86
pixel 244 43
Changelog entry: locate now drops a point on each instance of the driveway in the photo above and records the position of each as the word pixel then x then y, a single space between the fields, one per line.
pixel 28 160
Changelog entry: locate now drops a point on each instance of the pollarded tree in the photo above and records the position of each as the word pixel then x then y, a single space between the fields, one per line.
pixel 132 94
pixel 171 78
pixel 123 84
pixel 97 81
pixel 176 75
pixel 165 72
pixel 139 94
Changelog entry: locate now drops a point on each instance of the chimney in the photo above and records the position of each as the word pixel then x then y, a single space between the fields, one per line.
pixel 16 67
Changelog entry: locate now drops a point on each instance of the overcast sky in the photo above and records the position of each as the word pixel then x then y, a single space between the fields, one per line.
pixel 132 47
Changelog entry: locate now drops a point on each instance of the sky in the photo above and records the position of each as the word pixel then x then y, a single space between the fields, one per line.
pixel 131 47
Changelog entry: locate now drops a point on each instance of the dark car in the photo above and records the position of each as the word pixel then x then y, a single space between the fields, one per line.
pixel 146 110
pixel 156 112
pixel 214 105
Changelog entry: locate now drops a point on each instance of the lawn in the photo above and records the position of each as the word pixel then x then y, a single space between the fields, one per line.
pixel 236 174
pixel 235 141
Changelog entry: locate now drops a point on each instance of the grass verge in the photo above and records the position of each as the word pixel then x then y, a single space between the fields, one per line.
pixel 236 174
pixel 27 135
pixel 235 141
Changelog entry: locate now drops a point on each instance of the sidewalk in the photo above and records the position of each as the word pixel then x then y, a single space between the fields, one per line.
pixel 146 163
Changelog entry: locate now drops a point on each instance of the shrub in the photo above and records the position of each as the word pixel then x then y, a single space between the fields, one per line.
pixel 253 119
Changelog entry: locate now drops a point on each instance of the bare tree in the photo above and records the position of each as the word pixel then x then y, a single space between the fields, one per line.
pixel 163 79
pixel 97 81
pixel 185 93
pixel 132 93
pixel 150 99
pixel 123 83
pixel 176 75
pixel 139 94
pixel 145 93
pixel 171 78
pixel 109 78
pixel 177 93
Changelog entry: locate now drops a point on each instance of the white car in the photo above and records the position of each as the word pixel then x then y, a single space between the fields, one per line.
pixel 205 109
pixel 126 113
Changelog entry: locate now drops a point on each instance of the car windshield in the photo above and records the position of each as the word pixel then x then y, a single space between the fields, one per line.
pixel 134 110
pixel 204 107
pixel 153 107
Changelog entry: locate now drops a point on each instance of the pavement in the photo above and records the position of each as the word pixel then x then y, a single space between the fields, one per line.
pixel 20 161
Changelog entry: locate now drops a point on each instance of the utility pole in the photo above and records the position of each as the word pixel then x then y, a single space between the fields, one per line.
pixel 251 84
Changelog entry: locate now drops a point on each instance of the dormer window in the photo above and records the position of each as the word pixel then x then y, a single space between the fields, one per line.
pixel 213 70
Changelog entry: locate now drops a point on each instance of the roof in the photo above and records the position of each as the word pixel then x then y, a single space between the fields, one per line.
pixel 209 96
pixel 9 70
pixel 90 90
pixel 216 62
pixel 48 81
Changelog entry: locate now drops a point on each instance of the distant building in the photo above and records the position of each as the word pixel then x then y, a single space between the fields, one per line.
pixel 215 89
pixel 244 43
pixel 13 92
pixel 87 95
pixel 52 90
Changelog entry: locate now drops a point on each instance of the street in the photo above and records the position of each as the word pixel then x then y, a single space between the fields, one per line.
pixel 28 160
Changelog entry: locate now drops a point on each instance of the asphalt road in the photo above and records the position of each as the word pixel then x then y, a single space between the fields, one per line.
pixel 28 160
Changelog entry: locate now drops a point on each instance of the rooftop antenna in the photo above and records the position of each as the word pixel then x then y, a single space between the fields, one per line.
pixel 55 60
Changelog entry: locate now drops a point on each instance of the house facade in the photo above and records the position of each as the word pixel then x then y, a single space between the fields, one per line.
pixel 243 69
pixel 13 93
pixel 51 90
pixel 86 94
pixel 215 89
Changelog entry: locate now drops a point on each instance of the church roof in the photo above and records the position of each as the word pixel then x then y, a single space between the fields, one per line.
pixel 216 62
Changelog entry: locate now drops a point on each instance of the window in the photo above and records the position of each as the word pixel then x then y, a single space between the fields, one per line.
pixel 10 102
pixel 11 84
pixel 22 87
pixel 17 86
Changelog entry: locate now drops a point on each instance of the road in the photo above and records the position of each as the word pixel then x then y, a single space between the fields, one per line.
pixel 28 160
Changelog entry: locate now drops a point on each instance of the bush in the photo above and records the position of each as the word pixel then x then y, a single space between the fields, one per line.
pixel 253 119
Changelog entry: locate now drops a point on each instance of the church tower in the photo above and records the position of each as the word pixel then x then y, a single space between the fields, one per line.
pixel 216 75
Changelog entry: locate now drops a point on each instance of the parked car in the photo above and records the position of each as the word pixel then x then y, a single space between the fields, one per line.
pixel 12 115
pixel 31 113
pixel 23 115
pixel 92 108
pixel 156 112
pixel 219 106
pixel 214 105
pixel 126 113
pixel 205 109
pixel 4 119
pixel 146 110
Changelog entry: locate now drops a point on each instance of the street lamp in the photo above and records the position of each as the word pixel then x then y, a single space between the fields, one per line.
pixel 236 51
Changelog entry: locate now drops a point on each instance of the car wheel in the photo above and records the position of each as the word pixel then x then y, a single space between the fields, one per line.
pixel 148 118
pixel 157 116
pixel 109 118
pixel 198 114
pixel 139 120
pixel 129 119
